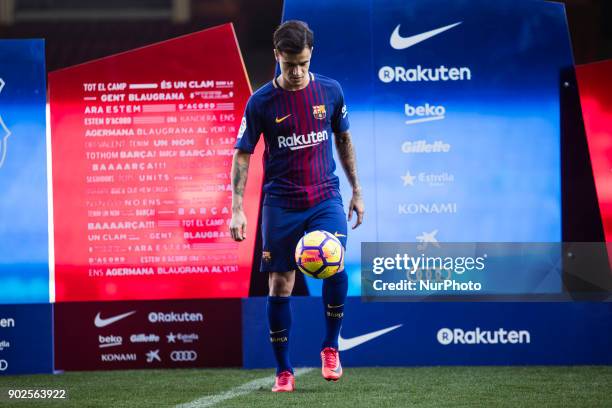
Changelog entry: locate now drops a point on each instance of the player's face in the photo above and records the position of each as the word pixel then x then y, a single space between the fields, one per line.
pixel 294 67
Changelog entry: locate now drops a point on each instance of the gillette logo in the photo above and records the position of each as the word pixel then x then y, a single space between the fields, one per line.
pixel 448 336
pixel 295 142
pixel 423 113
pixel 421 146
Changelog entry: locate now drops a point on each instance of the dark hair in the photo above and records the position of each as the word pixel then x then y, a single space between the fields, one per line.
pixel 292 37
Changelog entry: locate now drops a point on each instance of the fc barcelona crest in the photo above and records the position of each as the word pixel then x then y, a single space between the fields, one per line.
pixel 318 111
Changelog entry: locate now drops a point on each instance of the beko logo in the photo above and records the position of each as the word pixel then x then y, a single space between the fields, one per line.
pixel 110 341
pixel 183 355
pixel 423 113
pixel 448 336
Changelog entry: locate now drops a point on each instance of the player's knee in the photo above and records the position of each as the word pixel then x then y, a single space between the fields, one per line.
pixel 280 285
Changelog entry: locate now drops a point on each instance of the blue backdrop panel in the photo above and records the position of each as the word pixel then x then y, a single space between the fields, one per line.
pixel 24 254
pixel 26 342
pixel 397 334
pixel 454 109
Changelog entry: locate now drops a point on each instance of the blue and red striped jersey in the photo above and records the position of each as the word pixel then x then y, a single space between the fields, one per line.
pixel 297 128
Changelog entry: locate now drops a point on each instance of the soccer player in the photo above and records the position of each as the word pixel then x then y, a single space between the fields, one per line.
pixel 297 112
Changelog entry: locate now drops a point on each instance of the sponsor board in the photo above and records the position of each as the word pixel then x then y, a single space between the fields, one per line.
pixel 140 334
pixel 427 105
pixel 26 343
pixel 414 334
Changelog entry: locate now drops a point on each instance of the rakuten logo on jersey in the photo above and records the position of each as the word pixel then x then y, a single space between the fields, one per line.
pixel 295 142
pixel 423 113
pixel 448 336
pixel 388 74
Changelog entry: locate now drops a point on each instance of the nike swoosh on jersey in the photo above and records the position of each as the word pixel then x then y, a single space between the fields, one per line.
pixel 347 344
pixel 401 43
pixel 100 322
pixel 278 331
pixel 281 119
pixel 337 234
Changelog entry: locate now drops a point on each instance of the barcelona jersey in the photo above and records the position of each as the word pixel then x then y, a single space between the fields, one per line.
pixel 297 128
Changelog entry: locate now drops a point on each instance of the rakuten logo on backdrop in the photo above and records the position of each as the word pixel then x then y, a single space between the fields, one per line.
pixel 389 74
pixel 172 317
pixel 448 336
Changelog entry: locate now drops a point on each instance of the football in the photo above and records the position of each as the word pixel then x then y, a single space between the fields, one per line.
pixel 319 254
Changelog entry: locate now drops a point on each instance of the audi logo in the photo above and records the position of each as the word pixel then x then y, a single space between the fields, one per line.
pixel 183 355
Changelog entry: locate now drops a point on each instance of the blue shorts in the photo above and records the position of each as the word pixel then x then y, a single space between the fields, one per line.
pixel 282 228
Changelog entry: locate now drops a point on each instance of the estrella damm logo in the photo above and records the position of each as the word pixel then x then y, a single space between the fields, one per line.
pixel 318 111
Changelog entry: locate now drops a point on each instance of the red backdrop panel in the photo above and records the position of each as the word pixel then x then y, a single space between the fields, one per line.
pixel 142 143
pixel 595 87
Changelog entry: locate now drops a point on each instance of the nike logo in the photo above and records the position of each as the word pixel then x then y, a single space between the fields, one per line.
pixel 334 306
pixel 337 234
pixel 401 43
pixel 281 119
pixel 279 331
pixel 347 344
pixel 100 322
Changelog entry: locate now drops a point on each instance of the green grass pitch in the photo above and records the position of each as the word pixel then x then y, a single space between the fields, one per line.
pixel 550 386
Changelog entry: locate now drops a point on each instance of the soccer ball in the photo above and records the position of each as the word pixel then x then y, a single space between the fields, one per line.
pixel 319 254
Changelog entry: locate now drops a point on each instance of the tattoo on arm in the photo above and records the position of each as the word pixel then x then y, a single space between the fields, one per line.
pixel 240 169
pixel 346 153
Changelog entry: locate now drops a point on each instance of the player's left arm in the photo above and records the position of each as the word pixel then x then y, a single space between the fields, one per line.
pixel 346 153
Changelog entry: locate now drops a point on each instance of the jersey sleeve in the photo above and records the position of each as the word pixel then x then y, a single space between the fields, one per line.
pixel 340 121
pixel 250 128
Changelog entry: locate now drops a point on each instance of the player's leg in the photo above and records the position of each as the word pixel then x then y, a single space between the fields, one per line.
pixel 280 232
pixel 279 323
pixel 329 216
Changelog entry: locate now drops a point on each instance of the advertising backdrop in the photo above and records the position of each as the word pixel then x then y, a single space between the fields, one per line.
pixel 400 334
pixel 454 110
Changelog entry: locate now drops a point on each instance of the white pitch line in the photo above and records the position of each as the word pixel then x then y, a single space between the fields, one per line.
pixel 243 389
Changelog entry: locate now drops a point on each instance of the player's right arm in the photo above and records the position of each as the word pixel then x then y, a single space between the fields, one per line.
pixel 248 135
pixel 240 170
